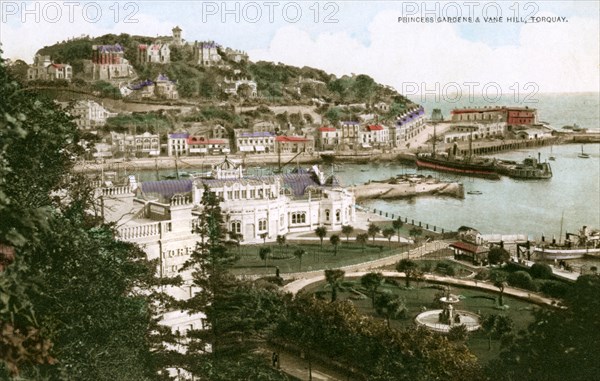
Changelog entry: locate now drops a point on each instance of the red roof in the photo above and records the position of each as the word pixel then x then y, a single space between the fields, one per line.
pixel 202 141
pixel 493 109
pixel 327 129
pixel 375 127
pixel 471 248
pixel 291 139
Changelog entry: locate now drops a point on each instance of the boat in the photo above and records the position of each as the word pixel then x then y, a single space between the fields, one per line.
pixel 575 246
pixel 583 155
pixel 474 192
pixel 464 165
pixel 530 169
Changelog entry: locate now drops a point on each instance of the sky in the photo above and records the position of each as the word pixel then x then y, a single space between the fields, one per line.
pixel 556 50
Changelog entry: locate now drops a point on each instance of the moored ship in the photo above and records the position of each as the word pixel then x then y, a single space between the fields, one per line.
pixel 530 169
pixel 472 166
pixel 450 162
pixel 575 246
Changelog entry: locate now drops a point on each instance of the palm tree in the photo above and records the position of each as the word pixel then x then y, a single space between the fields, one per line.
pixel 390 306
pixel 264 237
pixel 362 240
pixel 373 230
pixel 334 278
pixel 397 224
pixel 299 253
pixel 335 241
pixel 321 232
pixel 281 241
pixel 409 268
pixel 499 280
pixel 264 254
pixel 371 282
pixel 347 230
pixel 388 233
pixel 487 325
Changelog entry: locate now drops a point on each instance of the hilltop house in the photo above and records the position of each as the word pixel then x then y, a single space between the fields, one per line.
pixel 162 88
pixel 206 53
pixel 108 62
pixel 154 53
pixel 45 70
pixel 232 87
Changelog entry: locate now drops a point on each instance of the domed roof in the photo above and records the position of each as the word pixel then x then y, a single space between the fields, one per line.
pixel 227 164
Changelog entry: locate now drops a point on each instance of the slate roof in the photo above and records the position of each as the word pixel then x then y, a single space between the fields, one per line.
pixel 167 188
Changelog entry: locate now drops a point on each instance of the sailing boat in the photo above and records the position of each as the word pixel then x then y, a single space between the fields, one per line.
pixel 551 157
pixel 583 155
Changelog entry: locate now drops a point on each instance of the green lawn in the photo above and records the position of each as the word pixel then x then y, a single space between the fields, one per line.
pixel 480 302
pixel 316 258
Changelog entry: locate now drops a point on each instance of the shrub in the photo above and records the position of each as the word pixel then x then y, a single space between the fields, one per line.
pixel 554 288
pixel 522 279
pixel 458 333
pixel 541 271
pixel 445 269
pixel 426 266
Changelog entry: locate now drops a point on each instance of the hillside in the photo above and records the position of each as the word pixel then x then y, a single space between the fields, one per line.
pixel 276 83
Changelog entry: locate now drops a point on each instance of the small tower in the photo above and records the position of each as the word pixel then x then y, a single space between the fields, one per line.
pixel 177 36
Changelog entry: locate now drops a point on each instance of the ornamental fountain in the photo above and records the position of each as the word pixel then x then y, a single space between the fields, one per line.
pixel 442 320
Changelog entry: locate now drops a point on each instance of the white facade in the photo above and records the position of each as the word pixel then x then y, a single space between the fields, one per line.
pixel 475 131
pixel 255 141
pixel 408 126
pixel 145 143
pixel 374 136
pixel 252 206
pixel 177 144
pixel 328 137
pixel 231 87
pixel 206 53
pixel 44 69
pixel 90 114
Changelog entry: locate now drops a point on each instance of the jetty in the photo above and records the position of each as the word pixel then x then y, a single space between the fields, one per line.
pixel 407 186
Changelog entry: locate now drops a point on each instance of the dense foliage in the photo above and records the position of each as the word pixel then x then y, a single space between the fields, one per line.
pixel 76 303
pixel 369 349
pixel 560 344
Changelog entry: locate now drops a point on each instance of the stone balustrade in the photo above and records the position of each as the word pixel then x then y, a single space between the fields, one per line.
pixel 128 233
pixel 116 191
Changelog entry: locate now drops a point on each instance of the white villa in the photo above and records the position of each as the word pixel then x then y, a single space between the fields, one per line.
pixel 160 215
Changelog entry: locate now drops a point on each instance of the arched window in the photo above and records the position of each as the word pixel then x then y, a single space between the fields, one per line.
pixel 327 215
pixel 262 224
pixel 338 215
pixel 236 227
